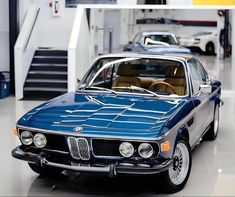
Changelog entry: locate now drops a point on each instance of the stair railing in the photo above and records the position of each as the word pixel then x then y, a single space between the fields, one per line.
pixel 25 47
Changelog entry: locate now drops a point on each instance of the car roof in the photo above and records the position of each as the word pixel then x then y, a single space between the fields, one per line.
pixel 156 32
pixel 170 56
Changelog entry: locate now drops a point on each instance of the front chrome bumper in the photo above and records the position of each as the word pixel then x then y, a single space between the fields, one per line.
pixel 110 169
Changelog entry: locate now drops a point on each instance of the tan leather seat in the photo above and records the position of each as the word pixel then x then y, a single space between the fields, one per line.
pixel 127 76
pixel 175 76
pixel 146 82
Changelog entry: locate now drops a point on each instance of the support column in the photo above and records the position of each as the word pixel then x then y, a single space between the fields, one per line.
pixel 233 49
pixel 233 36
pixel 13 33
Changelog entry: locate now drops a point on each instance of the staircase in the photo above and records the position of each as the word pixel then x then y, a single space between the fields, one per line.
pixel 47 76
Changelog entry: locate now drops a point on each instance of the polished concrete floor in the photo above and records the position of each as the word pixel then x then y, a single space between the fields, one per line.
pixel 213 168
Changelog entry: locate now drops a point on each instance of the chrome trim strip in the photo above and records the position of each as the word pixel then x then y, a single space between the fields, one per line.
pixel 88 149
pixel 57 132
pixel 76 151
pixel 71 150
pixel 105 169
pixel 56 151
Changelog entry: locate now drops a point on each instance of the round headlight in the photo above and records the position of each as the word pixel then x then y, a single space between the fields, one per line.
pixel 26 137
pixel 126 149
pixel 145 150
pixel 40 140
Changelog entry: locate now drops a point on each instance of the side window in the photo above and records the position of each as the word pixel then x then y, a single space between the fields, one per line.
pixel 198 74
pixel 202 71
pixel 106 77
pixel 137 38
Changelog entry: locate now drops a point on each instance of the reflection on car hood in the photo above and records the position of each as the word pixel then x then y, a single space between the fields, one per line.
pixel 166 49
pixel 104 114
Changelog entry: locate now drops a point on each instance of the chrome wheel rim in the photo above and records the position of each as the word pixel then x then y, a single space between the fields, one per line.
pixel 216 121
pixel 179 170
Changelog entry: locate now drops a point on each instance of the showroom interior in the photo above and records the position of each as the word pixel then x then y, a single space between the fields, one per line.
pixel 47 46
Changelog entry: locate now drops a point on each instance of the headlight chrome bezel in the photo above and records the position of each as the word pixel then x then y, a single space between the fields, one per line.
pixel 145 146
pixel 23 137
pixel 128 146
pixel 42 137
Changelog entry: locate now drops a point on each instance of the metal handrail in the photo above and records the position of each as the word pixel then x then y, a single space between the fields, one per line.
pixel 31 31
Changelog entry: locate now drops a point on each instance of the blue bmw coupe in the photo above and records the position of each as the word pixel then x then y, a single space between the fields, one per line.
pixel 132 113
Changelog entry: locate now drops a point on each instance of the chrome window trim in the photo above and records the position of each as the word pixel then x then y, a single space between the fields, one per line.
pixel 131 57
pixel 190 75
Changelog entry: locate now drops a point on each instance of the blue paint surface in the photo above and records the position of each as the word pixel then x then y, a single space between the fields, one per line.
pixel 104 114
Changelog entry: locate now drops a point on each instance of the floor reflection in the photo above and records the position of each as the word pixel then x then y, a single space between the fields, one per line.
pixel 87 185
pixel 220 69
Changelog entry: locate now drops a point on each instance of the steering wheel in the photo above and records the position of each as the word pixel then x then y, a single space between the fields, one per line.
pixel 160 85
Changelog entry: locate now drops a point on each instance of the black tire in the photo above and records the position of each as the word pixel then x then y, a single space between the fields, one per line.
pixel 170 185
pixel 212 133
pixel 210 48
pixel 45 171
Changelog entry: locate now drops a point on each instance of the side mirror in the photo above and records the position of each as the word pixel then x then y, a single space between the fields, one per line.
pixel 205 89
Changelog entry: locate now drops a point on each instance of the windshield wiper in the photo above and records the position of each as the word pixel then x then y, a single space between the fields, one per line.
pixel 138 89
pixel 98 88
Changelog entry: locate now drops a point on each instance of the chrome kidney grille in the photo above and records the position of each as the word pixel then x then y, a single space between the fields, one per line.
pixel 79 148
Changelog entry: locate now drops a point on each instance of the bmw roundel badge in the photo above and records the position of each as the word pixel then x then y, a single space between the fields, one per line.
pixel 78 129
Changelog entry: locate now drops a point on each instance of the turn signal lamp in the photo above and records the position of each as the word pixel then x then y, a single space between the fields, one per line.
pixel 165 146
pixel 15 132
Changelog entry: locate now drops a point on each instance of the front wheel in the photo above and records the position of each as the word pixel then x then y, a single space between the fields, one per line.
pixel 177 175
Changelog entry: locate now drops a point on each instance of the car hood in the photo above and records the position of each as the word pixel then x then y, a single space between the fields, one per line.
pixel 166 49
pixel 103 114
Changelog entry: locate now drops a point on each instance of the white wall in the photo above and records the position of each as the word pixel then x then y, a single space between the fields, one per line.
pixel 54 30
pixel 96 22
pixel 4 36
pixel 23 8
pixel 129 2
pixel 78 50
pixel 186 14
pixel 179 2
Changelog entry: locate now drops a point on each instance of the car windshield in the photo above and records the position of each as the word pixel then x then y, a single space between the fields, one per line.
pixel 169 39
pixel 156 77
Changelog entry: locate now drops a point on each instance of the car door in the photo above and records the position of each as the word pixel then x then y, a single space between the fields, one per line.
pixel 203 110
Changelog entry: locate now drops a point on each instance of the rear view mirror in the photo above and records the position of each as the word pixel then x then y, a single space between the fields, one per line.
pixel 205 88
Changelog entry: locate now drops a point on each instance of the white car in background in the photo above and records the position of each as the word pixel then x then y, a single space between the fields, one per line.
pixel 156 42
pixel 206 41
